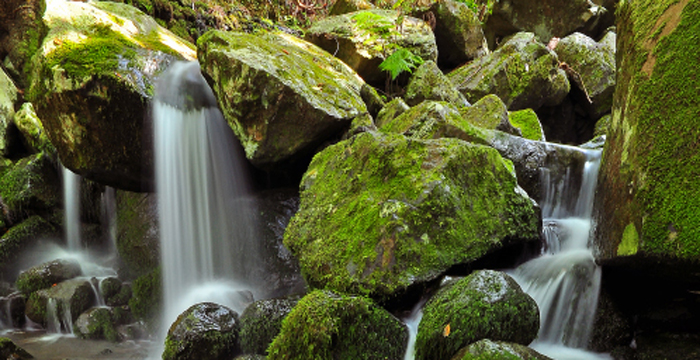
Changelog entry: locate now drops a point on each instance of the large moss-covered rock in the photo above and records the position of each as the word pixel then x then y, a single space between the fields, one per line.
pixel 429 83
pixel 261 322
pixel 649 183
pixel 364 39
pixel 391 110
pixel 380 213
pixel 522 72
pixel 203 331
pixel 21 32
pixel 91 84
pixel 138 241
pixel 97 323
pixel 31 186
pixel 591 69
pixel 21 238
pixel 281 95
pixel 490 113
pixel 146 303
pixel 34 137
pixel 498 350
pixel 485 305
pixel 71 298
pixel 458 33
pixel 50 273
pixel 324 325
pixel 529 124
pixel 8 350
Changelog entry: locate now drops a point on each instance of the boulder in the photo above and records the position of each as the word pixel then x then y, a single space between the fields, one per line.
pixel 14 305
pixel 71 298
pixel 138 241
pixel 458 33
pixel 30 187
pixel 391 110
pixel 498 350
pixel 34 137
pixel 146 302
pixel 324 325
pixel 91 83
pixel 528 123
pixel 429 83
pixel 490 113
pixel 203 331
pixel 21 238
pixel 522 72
pixel 590 66
pixel 380 212
pixel 546 18
pixel 97 323
pixel 47 274
pixel 364 39
pixel 649 182
pixel 282 96
pixel 261 322
pixel 8 350
pixel 21 32
pixel 347 6
pixel 485 305
pixel 8 98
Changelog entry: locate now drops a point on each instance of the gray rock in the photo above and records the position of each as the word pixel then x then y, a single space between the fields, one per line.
pixel 458 33
pixel 261 322
pixel 498 350
pixel 490 113
pixel 71 298
pixel 47 274
pixel 8 97
pixel 97 323
pixel 429 83
pixel 347 6
pixel 34 136
pixel 391 110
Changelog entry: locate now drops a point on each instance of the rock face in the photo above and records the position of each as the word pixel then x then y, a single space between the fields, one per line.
pixel 204 331
pixel 324 325
pixel 91 83
pixel 8 97
pixel 261 322
pixel 364 39
pixel 591 69
pixel 485 305
pixel 458 33
pixel 71 298
pixel 650 173
pixel 137 232
pixel 429 83
pixel 522 72
pixel 22 237
pixel 281 96
pixel 29 187
pixel 33 134
pixel 21 31
pixel 490 113
pixel 380 212
pixel 47 274
pixel 497 350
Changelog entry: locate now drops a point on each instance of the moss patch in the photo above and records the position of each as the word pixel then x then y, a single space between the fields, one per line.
pixel 630 241
pixel 147 300
pixel 529 124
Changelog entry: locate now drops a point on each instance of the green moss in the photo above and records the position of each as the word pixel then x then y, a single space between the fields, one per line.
pixel 261 322
pixel 100 325
pixel 147 300
pixel 630 241
pixel 527 121
pixel 324 326
pixel 23 236
pixel 137 240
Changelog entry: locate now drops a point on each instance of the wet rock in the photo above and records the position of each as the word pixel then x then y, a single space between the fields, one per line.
pixel 498 350
pixel 590 66
pixel 485 305
pixel 372 99
pixel 8 350
pixel 20 239
pixel 14 305
pixel 490 113
pixel 363 226
pixel 91 84
pixel 8 97
pixel 347 6
pixel 364 39
pixel 138 241
pixel 602 126
pixel 121 298
pixel 391 110
pixel 429 83
pixel 47 274
pixel 30 187
pixel 147 300
pixel 71 298
pixel 567 122
pixel 528 123
pixel 547 18
pixel 261 322
pixel 281 96
pixel 134 331
pixel 522 72
pixel 324 325
pixel 97 323
pixel 458 33
pixel 109 287
pixel 21 32
pixel 34 136
pixel 203 331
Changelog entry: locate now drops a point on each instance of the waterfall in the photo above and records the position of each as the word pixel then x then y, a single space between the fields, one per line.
pixel 71 203
pixel 209 248
pixel 565 280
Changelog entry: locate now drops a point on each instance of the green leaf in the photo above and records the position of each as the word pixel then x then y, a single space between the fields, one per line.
pixel 401 60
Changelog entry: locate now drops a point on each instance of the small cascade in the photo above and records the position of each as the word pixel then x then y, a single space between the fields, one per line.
pixel 412 321
pixel 58 317
pixel 71 201
pixel 109 217
pixel 95 285
pixel 565 280
pixel 209 248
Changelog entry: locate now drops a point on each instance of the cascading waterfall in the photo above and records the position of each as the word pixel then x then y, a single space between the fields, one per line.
pixel 208 235
pixel 71 201
pixel 565 280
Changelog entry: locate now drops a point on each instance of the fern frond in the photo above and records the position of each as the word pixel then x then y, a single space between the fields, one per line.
pixel 401 60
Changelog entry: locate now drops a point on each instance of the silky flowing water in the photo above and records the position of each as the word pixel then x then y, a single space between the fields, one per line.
pixel 71 203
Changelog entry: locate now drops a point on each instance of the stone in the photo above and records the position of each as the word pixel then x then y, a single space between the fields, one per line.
pixel 20 239
pixel 364 39
pixel 8 350
pixel 91 84
pixel 261 322
pixel 97 323
pixel 203 331
pixel 71 298
pixel 8 97
pixel 522 72
pixel 458 33
pixel 347 6
pixel 490 113
pixel 282 96
pixel 30 187
pixel 590 66
pixel 485 305
pixel 380 212
pixel 138 241
pixel 324 325
pixel 21 33
pixel 45 275
pixel 529 124
pixel 34 136
pixel 391 110
pixel 429 83
pixel 498 350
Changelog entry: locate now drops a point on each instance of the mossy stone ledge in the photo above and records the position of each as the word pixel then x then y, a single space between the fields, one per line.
pixel 381 212
pixel 498 350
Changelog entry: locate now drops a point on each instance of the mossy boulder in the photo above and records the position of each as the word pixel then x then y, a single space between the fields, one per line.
pixel 147 300
pixel 9 350
pixel 14 305
pixel 498 350
pixel 364 39
pixel 34 137
pixel 8 98
pixel 203 331
pixel 138 241
pixel 490 113
pixel 71 297
pixel 380 212
pixel 97 323
pixel 458 33
pixel 649 183
pixel 21 33
pixel 47 274
pixel 91 83
pixel 31 186
pixel 391 110
pixel 522 72
pixel 282 96
pixel 485 305
pixel 261 322
pixel 324 325
pixel 528 123
pixel 429 83
pixel 591 69
pixel 347 6
pixel 21 238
